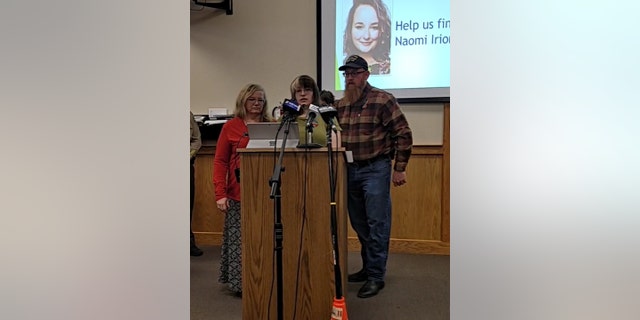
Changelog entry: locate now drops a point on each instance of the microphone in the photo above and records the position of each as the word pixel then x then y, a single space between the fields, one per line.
pixel 290 109
pixel 313 113
pixel 328 113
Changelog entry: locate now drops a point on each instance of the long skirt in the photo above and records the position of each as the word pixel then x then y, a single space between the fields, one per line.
pixel 231 257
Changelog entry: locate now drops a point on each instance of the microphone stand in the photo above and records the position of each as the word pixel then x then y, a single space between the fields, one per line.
pixel 334 231
pixel 276 194
pixel 308 136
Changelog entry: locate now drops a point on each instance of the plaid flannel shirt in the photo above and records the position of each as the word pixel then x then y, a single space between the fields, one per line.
pixel 374 126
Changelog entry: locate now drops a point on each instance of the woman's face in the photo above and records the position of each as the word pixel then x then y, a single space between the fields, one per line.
pixel 365 29
pixel 304 96
pixel 255 103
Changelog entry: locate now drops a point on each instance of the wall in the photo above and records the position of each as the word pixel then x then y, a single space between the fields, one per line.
pixel 269 43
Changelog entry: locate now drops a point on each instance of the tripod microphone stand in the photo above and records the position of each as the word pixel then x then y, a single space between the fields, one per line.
pixel 276 194
pixel 339 308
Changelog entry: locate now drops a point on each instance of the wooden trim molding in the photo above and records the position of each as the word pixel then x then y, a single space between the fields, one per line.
pixel 446 181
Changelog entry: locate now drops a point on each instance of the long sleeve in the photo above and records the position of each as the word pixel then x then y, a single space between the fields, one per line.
pixel 400 135
pixel 221 164
pixel 227 160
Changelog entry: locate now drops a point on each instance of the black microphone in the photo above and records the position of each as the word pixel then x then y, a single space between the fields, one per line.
pixel 328 113
pixel 313 113
pixel 290 109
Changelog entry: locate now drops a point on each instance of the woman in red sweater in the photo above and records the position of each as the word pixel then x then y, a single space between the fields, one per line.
pixel 251 106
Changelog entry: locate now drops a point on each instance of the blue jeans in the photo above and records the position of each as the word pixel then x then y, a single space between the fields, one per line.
pixel 369 203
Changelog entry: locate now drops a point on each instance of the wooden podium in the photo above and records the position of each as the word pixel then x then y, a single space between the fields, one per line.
pixel 307 251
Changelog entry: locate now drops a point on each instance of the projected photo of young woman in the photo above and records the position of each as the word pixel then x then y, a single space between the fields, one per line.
pixel 368 34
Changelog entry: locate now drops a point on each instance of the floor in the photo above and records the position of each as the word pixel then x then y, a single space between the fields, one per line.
pixel 417 287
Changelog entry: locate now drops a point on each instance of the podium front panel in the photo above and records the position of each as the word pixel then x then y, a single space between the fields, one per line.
pixel 307 250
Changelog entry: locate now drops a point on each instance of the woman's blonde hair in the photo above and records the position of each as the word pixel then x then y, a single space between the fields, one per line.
pixel 244 94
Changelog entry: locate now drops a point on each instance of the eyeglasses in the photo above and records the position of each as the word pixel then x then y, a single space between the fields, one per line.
pixel 253 100
pixel 301 90
pixel 352 74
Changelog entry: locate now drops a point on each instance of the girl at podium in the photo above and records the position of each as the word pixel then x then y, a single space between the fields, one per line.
pixel 305 92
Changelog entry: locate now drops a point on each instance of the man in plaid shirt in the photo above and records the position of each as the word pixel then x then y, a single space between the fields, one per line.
pixel 376 131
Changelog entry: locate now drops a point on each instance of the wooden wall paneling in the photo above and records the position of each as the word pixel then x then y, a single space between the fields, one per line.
pixel 417 207
pixel 208 221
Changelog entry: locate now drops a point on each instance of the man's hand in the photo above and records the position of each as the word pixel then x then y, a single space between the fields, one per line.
pixel 399 178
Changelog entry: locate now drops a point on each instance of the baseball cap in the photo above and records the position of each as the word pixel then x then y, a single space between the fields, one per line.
pixel 354 61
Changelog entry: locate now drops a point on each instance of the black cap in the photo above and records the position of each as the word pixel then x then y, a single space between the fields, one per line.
pixel 356 62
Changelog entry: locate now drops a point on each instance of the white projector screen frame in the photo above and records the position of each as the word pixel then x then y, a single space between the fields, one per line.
pixel 418 54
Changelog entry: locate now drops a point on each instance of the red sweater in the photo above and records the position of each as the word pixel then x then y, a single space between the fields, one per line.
pixel 233 135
